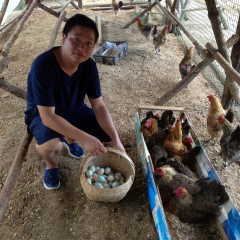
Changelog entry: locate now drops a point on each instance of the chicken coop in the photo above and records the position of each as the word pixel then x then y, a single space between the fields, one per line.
pixel 228 221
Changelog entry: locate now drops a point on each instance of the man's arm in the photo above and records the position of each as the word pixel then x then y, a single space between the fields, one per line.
pixel 62 126
pixel 105 121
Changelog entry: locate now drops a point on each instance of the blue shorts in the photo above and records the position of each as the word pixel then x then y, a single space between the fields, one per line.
pixel 84 120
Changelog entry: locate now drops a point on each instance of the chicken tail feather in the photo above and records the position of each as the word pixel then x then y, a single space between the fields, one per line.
pixel 229 115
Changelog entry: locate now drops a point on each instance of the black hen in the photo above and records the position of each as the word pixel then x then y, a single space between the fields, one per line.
pixel 116 6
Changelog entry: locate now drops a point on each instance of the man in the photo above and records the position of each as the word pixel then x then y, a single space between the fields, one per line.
pixel 56 114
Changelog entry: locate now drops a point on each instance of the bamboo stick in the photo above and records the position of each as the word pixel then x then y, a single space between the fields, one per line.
pixel 65 6
pixel 199 46
pixel 74 5
pixel 16 91
pixel 166 13
pixel 49 10
pixel 223 62
pixel 3 10
pixel 14 173
pixel 190 77
pixel 80 5
pixel 6 48
pixel 14 19
pixel 140 15
pixel 231 90
pixel 56 29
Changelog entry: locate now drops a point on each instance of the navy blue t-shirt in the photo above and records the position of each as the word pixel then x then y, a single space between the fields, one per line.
pixel 49 86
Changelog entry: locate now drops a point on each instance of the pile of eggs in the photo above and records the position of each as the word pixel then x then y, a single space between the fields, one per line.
pixel 103 177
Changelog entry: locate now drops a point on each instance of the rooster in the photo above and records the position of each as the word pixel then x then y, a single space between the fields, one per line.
pixel 169 180
pixel 215 111
pixel 230 141
pixel 167 119
pixel 173 142
pixel 187 64
pixel 199 206
pixel 145 29
pixel 116 6
pixel 160 39
pixel 149 128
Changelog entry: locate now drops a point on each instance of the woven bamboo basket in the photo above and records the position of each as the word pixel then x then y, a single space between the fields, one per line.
pixel 123 165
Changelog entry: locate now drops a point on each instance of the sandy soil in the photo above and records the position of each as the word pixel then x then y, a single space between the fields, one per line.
pixel 139 78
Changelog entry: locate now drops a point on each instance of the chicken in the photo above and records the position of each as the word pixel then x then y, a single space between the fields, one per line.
pixel 177 165
pixel 200 206
pixel 149 128
pixel 145 29
pixel 215 111
pixel 167 119
pixel 187 64
pixel 185 129
pixel 149 114
pixel 157 152
pixel 173 142
pixel 116 6
pixel 157 138
pixel 160 39
pixel 169 180
pixel 230 141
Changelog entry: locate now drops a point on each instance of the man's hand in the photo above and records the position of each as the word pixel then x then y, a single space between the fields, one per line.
pixel 94 146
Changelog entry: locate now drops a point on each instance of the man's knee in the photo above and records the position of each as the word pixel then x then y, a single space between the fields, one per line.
pixel 53 145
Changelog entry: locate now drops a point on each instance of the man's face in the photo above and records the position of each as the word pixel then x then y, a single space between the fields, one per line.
pixel 78 45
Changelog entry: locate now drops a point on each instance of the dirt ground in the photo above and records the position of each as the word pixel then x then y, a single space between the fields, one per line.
pixel 139 78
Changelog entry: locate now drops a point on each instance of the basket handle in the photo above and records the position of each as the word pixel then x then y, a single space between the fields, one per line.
pixel 120 152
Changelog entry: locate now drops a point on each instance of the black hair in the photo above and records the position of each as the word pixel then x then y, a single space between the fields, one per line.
pixel 80 19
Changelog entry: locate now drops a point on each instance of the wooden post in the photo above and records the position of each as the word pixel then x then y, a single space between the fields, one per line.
pixel 49 10
pixel 56 29
pixel 80 5
pixel 223 62
pixel 230 91
pixel 14 19
pixel 235 56
pixel 4 61
pixel 16 91
pixel 140 15
pixel 170 25
pixel 6 48
pixel 14 173
pixel 65 6
pixel 3 10
pixel 190 77
pixel 99 26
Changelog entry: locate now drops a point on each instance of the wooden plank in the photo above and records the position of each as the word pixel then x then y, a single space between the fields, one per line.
pixel 14 173
pixel 148 107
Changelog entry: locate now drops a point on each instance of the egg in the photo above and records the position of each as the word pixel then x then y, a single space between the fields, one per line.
pixel 100 171
pixel 96 169
pixel 89 180
pixel 97 184
pixel 107 170
pixel 92 168
pixel 100 179
pixel 105 176
pixel 105 185
pixel 89 173
pixel 121 180
pixel 116 178
pixel 110 184
pixel 115 184
pixel 118 174
pixel 110 178
pixel 95 177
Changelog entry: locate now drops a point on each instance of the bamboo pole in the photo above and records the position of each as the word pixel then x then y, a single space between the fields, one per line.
pixel 14 173
pixel 166 12
pixel 99 26
pixel 3 10
pixel 6 48
pixel 14 19
pixel 74 5
pixel 231 90
pixel 172 27
pixel 235 56
pixel 49 10
pixel 109 8
pixel 199 46
pixel 80 5
pixel 190 77
pixel 4 61
pixel 56 29
pixel 223 62
pixel 140 15
pixel 65 6
pixel 16 91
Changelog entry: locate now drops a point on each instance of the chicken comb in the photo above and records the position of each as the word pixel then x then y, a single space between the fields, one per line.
pixel 211 95
pixel 137 18
pixel 166 27
pixel 220 117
